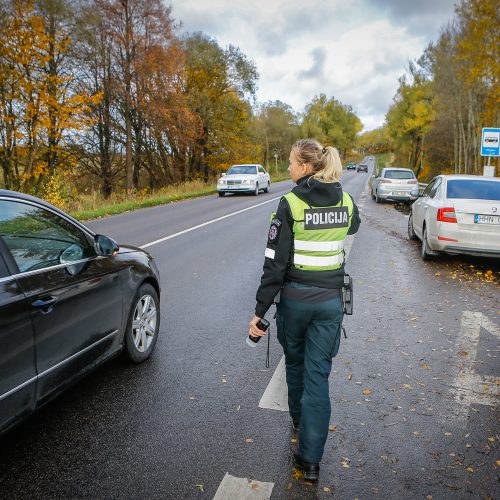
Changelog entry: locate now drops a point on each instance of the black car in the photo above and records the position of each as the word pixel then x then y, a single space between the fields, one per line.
pixel 362 167
pixel 69 300
pixel 351 166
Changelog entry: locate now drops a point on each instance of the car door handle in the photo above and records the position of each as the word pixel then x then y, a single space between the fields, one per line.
pixel 45 304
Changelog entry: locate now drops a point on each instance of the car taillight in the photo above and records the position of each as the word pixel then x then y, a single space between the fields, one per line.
pixel 413 182
pixel 385 181
pixel 446 215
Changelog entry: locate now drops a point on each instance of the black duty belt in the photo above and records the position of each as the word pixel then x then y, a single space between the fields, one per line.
pixel 311 294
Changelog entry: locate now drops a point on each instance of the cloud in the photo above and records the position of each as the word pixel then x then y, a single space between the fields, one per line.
pixel 316 71
pixel 354 51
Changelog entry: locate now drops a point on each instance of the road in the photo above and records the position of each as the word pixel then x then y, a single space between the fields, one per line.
pixel 414 387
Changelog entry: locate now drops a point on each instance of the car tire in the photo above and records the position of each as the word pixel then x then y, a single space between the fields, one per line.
pixel 222 194
pixel 268 188
pixel 373 196
pixel 424 252
pixel 411 232
pixel 143 324
pixel 256 192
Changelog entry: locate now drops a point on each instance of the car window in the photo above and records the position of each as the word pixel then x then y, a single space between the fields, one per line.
pixel 475 189
pixel 429 187
pixel 435 188
pixel 399 174
pixel 38 238
pixel 242 169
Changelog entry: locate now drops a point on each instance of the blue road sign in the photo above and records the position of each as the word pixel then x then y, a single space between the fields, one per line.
pixel 490 142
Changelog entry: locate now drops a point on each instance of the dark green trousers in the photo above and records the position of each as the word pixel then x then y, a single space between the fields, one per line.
pixel 309 332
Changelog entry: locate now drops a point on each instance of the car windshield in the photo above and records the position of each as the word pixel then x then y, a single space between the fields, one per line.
pixel 475 189
pixel 242 169
pixel 398 174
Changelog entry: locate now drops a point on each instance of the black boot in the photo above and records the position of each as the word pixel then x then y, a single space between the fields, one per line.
pixel 310 469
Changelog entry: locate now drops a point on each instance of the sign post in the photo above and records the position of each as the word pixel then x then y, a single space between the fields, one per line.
pixel 490 146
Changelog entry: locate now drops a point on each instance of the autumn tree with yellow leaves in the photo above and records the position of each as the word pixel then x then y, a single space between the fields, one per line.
pixel 39 104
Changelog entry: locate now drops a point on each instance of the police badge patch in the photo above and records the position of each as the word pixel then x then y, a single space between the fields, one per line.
pixel 274 230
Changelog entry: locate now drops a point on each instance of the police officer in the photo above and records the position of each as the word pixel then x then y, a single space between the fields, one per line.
pixel 304 258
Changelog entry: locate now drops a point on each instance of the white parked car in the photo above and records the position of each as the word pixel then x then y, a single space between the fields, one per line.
pixel 394 184
pixel 458 214
pixel 250 178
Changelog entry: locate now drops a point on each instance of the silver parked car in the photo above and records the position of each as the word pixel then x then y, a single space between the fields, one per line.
pixel 458 214
pixel 396 184
pixel 250 178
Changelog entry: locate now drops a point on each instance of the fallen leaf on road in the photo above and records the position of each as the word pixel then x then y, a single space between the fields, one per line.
pixel 200 487
pixel 345 463
pixel 414 318
pixel 407 386
pixel 497 463
pixel 297 473
pixel 425 367
pixel 469 469
pixel 463 353
pixel 254 486
pixel 428 497
pixel 224 381
pixel 293 440
pixel 238 408
pixel 491 439
pixel 326 489
pixel 248 440
pixel 422 384
pixel 416 433
pixel 289 486
pixel 367 391
pixel 374 490
pixel 349 377
pixel 468 445
pixel 447 434
pixel 192 397
pixel 332 428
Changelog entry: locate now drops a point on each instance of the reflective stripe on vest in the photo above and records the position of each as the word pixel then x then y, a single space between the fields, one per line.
pixel 318 249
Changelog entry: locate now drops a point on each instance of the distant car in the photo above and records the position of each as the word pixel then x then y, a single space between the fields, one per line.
pixel 362 167
pixel 394 184
pixel 69 300
pixel 351 166
pixel 250 178
pixel 458 214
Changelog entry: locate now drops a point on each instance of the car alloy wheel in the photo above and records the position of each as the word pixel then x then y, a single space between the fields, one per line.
pixel 411 232
pixel 268 188
pixel 425 246
pixel 143 324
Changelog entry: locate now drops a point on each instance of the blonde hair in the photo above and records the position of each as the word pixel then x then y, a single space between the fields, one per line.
pixel 325 161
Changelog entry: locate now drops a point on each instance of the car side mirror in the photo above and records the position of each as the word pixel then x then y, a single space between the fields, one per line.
pixel 104 245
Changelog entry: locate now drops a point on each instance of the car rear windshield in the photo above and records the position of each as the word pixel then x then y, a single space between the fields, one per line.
pixel 475 189
pixel 243 169
pixel 398 174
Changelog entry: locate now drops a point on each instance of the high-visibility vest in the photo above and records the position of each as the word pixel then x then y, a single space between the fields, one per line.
pixel 319 233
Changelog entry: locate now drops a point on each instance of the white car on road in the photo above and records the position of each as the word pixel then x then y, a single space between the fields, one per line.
pixel 248 178
pixel 458 214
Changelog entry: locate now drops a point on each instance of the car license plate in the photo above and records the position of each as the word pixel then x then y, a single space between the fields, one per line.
pixel 486 219
pixel 399 193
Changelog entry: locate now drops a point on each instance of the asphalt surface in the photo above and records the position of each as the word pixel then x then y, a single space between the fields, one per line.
pixel 404 425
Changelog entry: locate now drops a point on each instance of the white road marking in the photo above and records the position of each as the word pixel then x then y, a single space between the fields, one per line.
pixel 469 387
pixel 241 488
pixel 161 240
pixel 275 396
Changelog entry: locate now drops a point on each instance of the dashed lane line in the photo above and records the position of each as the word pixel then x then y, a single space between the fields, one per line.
pixel 241 488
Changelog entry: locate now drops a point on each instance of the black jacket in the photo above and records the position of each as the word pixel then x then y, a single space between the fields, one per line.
pixel 279 251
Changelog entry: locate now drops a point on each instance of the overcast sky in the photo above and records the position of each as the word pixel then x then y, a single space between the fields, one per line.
pixel 354 50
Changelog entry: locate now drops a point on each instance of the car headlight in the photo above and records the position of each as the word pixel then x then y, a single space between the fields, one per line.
pixel 248 181
pixel 222 181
